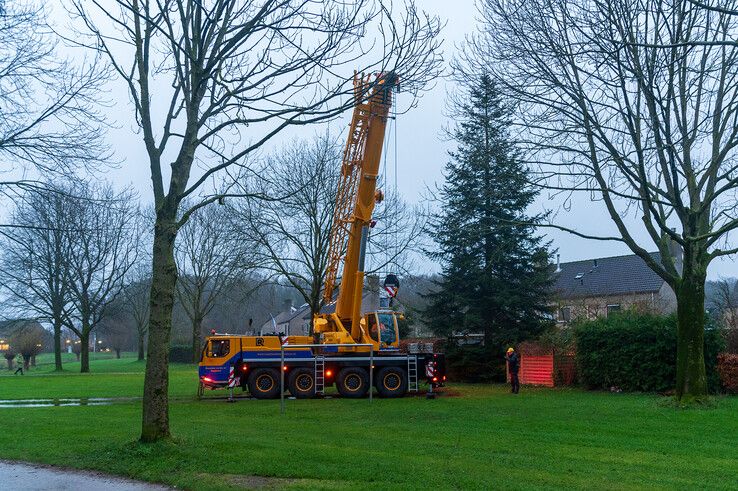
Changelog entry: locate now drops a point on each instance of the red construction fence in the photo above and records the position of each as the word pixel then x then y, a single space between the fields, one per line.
pixel 541 365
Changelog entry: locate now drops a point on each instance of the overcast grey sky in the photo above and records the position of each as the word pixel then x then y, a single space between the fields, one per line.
pixel 421 154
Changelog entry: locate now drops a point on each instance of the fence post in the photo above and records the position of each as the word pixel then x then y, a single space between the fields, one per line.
pixel 281 375
pixel 371 371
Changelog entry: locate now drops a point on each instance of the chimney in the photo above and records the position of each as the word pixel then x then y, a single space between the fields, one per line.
pixel 558 263
pixel 372 286
pixel 287 305
pixel 594 261
pixel 677 253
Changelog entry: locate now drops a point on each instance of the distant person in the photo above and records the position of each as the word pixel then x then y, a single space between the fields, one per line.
pixel 513 366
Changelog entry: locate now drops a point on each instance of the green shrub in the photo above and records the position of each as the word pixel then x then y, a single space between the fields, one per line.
pixel 180 354
pixel 636 352
pixel 474 363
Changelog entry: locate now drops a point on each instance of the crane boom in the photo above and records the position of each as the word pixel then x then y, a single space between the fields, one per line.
pixel 355 351
pixel 357 194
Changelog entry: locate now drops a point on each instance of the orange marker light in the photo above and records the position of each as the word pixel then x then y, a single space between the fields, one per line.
pixel 328 373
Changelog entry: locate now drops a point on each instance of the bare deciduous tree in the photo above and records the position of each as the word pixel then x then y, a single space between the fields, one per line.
pixel 35 258
pixel 27 340
pixel 9 356
pixel 47 103
pixel 234 74
pixel 115 333
pixel 293 234
pixel 135 296
pixel 209 258
pixel 632 102
pixel 725 302
pixel 102 251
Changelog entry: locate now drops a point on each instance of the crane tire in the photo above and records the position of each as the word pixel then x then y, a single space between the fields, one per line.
pixel 264 383
pixel 391 382
pixel 353 382
pixel 302 383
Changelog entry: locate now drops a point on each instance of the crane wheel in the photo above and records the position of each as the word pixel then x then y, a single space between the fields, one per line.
pixel 353 382
pixel 264 383
pixel 302 383
pixel 391 382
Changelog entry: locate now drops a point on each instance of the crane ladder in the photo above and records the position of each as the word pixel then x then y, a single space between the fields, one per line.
pixel 319 374
pixel 412 373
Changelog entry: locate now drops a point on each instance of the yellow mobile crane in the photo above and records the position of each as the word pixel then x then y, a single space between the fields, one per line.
pixel 347 347
pixel 355 200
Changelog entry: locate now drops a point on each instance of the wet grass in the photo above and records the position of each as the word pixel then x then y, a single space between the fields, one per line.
pixel 99 362
pixel 484 438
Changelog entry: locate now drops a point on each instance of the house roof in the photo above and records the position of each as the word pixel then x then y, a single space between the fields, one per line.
pixel 607 276
pixel 287 316
pixel 331 307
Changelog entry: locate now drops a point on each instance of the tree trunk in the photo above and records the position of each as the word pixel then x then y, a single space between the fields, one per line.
pixel 84 347
pixel 140 346
pixel 26 362
pixel 196 333
pixel 10 363
pixel 691 382
pixel 155 421
pixel 117 353
pixel 57 346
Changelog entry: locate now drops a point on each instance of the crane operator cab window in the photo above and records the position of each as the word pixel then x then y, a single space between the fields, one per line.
pixel 387 331
pixel 218 348
pixel 382 328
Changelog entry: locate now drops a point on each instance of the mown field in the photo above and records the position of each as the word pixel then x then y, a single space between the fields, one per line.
pixel 478 437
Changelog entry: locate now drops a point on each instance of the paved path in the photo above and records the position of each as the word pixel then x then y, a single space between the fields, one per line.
pixel 38 478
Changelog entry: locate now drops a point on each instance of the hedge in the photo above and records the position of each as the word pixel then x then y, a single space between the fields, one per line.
pixel 636 352
pixel 180 354
pixel 474 363
pixel 728 369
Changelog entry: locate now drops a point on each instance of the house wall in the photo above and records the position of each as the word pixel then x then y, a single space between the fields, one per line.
pixel 661 302
pixel 299 326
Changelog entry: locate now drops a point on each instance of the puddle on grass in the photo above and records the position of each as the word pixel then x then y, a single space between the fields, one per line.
pixel 66 401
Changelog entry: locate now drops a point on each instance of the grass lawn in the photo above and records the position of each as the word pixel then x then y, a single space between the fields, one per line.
pixel 481 438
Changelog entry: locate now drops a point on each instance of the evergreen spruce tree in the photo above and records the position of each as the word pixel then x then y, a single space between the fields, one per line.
pixel 496 272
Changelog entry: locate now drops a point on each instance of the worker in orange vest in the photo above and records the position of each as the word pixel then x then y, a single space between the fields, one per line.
pixel 513 366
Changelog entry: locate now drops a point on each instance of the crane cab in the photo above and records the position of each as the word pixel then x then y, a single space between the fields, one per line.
pixel 382 328
pixel 377 328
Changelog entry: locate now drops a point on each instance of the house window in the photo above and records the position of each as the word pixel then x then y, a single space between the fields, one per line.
pixel 4 346
pixel 565 314
pixel 612 308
